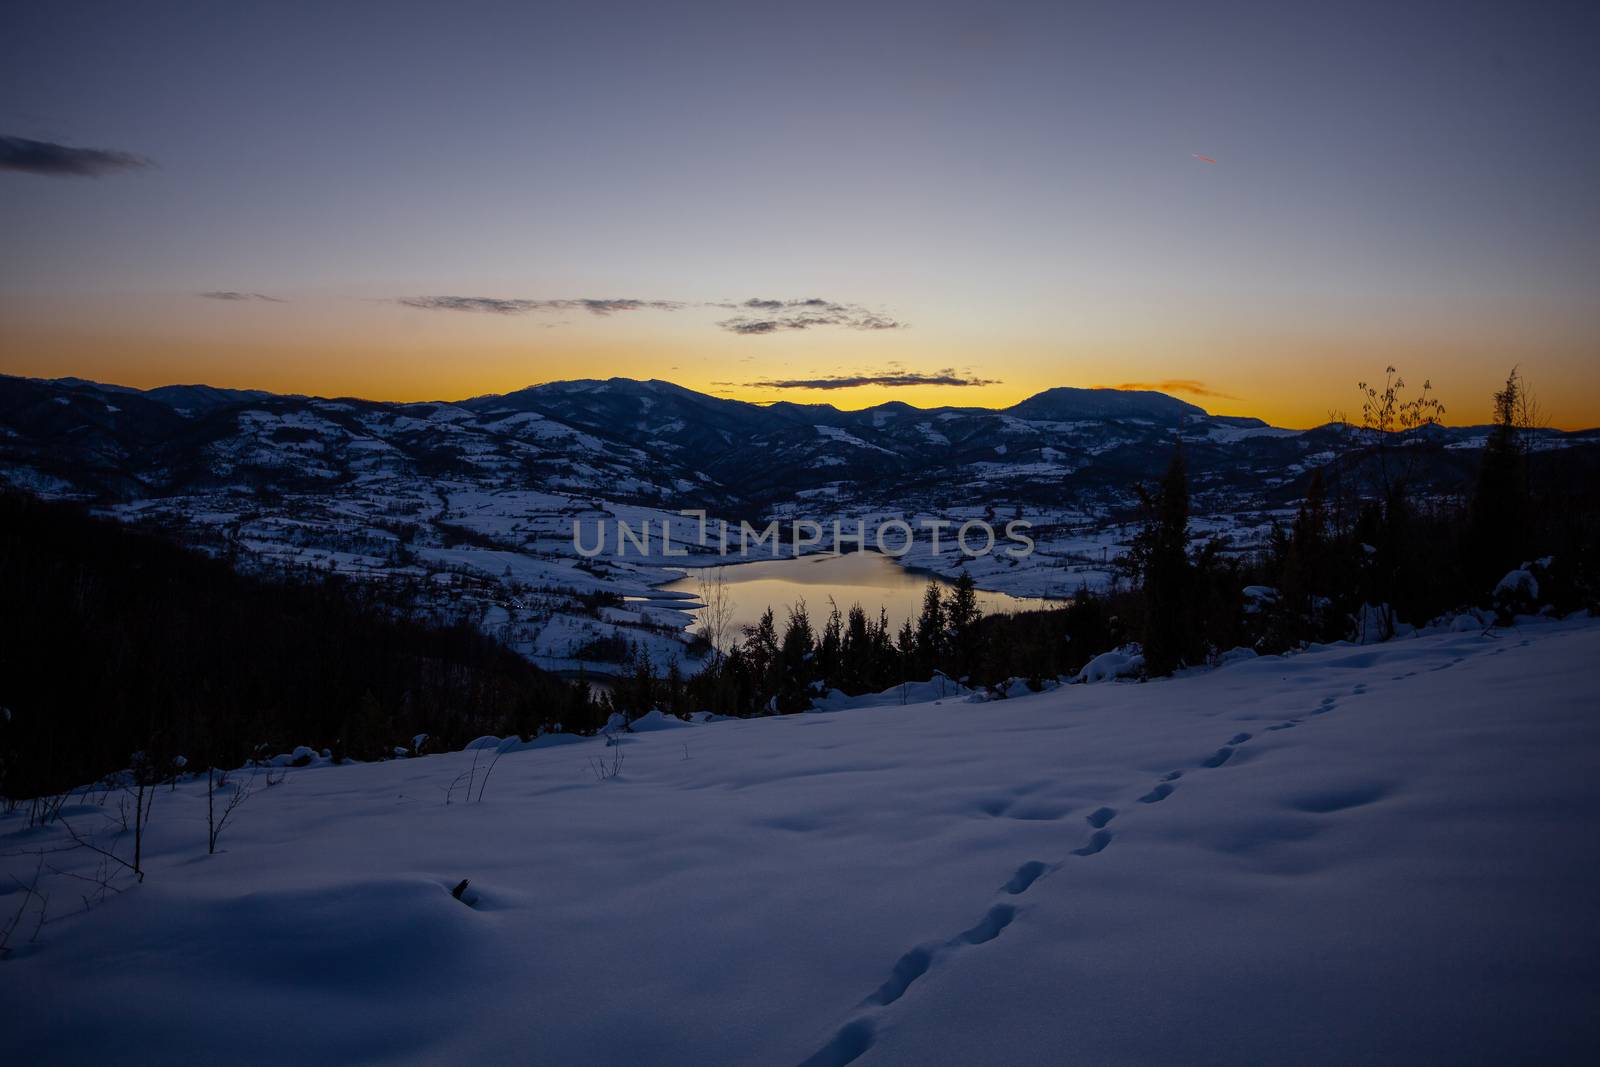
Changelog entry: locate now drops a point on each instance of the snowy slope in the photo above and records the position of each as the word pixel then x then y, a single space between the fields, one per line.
pixel 1378 854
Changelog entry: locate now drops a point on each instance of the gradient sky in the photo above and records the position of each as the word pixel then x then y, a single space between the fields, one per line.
pixel 1014 186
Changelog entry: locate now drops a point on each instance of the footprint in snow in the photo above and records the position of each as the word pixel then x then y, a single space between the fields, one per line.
pixel 1158 794
pixel 907 969
pixel 847 1046
pixel 1097 841
pixel 989 926
pixel 856 1037
pixel 1026 875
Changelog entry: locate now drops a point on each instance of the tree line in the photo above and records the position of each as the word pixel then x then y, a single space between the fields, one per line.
pixel 1369 554
pixel 114 641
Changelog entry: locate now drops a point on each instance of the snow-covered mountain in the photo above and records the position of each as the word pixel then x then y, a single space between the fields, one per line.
pixel 655 442
pixel 476 501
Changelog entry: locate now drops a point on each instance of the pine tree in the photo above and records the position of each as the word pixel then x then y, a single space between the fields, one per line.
pixel 856 673
pixel 796 660
pixel 1499 504
pixel 906 652
pixel 1161 563
pixel 962 615
pixel 930 643
pixel 761 654
pixel 1304 562
pixel 830 648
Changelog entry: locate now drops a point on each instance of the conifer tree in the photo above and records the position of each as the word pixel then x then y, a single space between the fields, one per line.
pixel 795 657
pixel 961 625
pixel 1159 558
pixel 930 642
pixel 1499 504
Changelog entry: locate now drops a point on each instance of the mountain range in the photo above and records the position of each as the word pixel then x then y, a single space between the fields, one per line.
pixel 659 443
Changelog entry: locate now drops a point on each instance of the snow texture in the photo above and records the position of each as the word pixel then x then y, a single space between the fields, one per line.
pixel 1378 854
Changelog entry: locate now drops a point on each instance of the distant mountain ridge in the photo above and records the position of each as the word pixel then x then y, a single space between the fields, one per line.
pixel 653 441
pixel 1053 404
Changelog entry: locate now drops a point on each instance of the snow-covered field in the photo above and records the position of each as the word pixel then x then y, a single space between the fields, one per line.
pixel 1378 854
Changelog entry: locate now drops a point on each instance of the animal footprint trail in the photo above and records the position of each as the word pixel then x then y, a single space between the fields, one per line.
pixel 856 1037
pixel 1225 753
pixel 918 961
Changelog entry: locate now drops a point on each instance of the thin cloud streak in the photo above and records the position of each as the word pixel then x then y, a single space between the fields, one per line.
pixel 855 381
pixel 758 315
pixel 232 294
pixel 781 315
pixel 64 161
pixel 496 306
pixel 1172 385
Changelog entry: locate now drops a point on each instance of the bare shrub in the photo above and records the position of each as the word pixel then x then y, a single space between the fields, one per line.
pixel 215 821
pixel 603 768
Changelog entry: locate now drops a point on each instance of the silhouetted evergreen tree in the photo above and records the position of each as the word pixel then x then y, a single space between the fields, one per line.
pixel 963 641
pixel 797 657
pixel 859 666
pixel 1160 562
pixel 829 659
pixel 930 642
pixel 1500 501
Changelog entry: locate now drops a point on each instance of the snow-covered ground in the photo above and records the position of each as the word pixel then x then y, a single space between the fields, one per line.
pixel 1378 854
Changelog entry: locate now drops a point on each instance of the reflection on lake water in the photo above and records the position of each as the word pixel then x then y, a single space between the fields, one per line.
pixel 867 578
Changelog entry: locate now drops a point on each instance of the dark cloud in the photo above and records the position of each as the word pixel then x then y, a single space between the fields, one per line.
pixel 59 160
pixel 230 294
pixel 606 307
pixel 759 304
pixel 944 377
pixel 780 315
pixel 1172 385
pixel 497 306
pixel 487 304
pixel 757 315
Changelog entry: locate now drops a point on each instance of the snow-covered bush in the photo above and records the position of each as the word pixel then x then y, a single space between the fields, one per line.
pixel 1522 590
pixel 1258 598
pixel 1125 662
pixel 1233 655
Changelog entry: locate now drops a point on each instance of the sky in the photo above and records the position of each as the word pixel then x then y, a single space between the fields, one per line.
pixel 940 203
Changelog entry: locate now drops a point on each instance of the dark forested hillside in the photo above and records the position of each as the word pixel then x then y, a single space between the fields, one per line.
pixel 114 641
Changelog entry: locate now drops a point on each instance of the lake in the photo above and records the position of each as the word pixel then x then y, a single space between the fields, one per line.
pixel 869 578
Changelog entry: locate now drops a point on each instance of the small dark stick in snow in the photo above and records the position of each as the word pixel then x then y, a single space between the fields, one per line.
pixel 461 887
